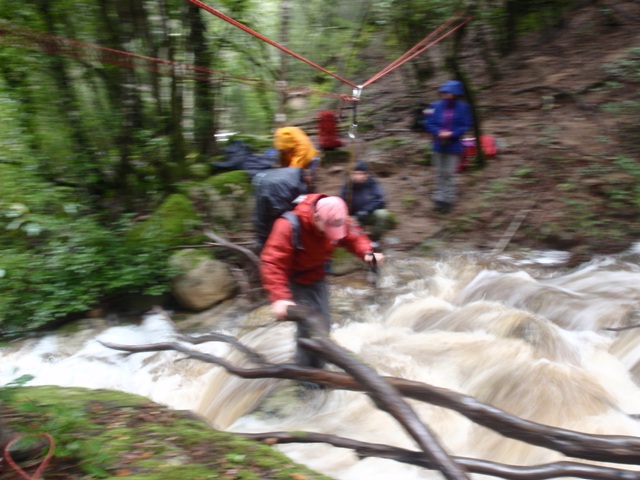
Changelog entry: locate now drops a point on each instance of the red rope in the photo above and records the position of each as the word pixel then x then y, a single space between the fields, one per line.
pixel 54 45
pixel 45 461
pixel 410 54
pixel 416 49
pixel 226 18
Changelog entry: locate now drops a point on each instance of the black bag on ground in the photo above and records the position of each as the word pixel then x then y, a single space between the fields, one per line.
pixel 276 191
pixel 238 156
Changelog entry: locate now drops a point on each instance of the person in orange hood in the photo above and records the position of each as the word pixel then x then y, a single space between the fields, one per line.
pixel 295 147
pixel 293 269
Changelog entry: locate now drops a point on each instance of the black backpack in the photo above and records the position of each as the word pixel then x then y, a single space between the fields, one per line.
pixel 277 191
pixel 238 156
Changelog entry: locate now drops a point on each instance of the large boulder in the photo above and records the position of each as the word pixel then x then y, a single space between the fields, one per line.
pixel 201 282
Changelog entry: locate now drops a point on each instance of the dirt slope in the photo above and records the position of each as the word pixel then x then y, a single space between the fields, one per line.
pixel 559 177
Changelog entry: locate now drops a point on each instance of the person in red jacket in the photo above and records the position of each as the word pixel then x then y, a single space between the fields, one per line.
pixel 293 270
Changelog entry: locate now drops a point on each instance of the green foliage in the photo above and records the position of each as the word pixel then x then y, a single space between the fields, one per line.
pixel 59 258
pixel 68 266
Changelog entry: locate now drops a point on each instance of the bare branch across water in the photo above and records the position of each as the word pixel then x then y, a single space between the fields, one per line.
pixel 389 394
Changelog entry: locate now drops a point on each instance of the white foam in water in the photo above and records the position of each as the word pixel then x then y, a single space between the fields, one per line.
pixel 92 365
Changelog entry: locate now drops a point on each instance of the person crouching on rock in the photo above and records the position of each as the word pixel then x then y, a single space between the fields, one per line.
pixel 365 197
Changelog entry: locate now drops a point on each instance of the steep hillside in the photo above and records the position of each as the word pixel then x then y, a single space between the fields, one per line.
pixel 565 113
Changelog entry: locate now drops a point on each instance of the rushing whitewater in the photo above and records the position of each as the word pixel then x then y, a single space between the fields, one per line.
pixel 536 341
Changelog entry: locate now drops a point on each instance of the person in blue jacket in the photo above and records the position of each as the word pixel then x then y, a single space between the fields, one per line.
pixel 365 197
pixel 450 119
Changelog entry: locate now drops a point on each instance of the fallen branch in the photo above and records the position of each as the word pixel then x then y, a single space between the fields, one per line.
pixel 232 246
pixel 383 393
pixel 621 329
pixel 605 448
pixel 219 337
pixel 471 465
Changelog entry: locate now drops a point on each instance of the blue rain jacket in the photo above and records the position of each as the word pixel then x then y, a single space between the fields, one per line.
pixel 462 123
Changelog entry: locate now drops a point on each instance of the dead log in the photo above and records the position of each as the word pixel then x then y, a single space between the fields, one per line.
pixel 255 357
pixel 247 278
pixel 606 448
pixel 383 393
pixel 255 260
pixel 471 465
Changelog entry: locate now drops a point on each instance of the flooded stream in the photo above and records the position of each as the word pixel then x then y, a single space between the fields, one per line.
pixel 517 332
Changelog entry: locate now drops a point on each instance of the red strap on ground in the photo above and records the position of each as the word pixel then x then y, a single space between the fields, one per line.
pixel 226 18
pixel 43 464
pixel 54 45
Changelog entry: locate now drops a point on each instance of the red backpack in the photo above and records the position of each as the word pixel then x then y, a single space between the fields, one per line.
pixel 328 131
pixel 489 147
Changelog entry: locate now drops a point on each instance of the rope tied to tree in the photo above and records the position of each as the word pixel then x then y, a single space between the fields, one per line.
pixel 410 54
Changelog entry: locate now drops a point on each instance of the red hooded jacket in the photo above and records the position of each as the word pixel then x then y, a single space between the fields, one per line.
pixel 282 262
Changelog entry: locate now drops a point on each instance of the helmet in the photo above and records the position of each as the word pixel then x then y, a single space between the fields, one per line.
pixel 452 86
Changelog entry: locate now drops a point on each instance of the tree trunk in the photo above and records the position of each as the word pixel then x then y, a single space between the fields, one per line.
pixel 462 76
pixel 204 93
pixel 68 102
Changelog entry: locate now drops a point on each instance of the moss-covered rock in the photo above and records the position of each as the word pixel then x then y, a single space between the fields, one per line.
pixel 173 223
pixel 201 281
pixel 108 434
pixel 228 198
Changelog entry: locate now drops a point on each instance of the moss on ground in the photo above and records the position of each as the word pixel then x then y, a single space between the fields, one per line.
pixel 109 434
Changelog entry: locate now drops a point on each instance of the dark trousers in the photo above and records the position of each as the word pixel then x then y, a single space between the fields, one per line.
pixel 315 296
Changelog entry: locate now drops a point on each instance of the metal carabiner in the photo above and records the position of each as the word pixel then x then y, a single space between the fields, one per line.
pixel 353 129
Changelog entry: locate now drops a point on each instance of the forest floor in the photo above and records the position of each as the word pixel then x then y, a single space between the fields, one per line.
pixel 567 173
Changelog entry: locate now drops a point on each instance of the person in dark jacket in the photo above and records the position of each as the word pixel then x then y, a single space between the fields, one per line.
pixel 365 197
pixel 296 274
pixel 450 119
pixel 276 191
